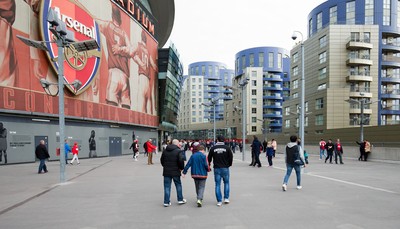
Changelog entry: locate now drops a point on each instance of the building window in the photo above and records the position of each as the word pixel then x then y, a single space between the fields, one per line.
pixel 321 86
pixel 193 119
pixel 197 70
pixel 287 110
pixel 398 14
pixel 333 15
pixel 193 113
pixel 254 110
pixel 203 70
pixel 305 106
pixel 193 93
pixel 243 62
pixel 193 100
pixel 279 60
pixel 305 121
pixel 319 120
pixel 254 101
pixel 199 87
pixel 261 59
pixel 193 80
pixel 295 57
pixel 193 87
pixel 351 13
pixel 369 12
pixel 271 60
pixel 295 84
pixel 253 119
pixel 254 128
pixel 295 95
pixel 386 12
pixel 295 71
pixel 254 83
pixel 319 21
pixel 199 93
pixel 322 73
pixel 310 27
pixel 253 74
pixel 319 103
pixel 287 123
pixel 322 41
pixel 253 92
pixel 251 60
pixel 322 57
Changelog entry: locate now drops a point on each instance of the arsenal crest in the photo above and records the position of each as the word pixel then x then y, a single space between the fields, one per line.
pixel 82 66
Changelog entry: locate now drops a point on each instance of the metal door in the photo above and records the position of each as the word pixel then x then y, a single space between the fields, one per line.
pixel 115 146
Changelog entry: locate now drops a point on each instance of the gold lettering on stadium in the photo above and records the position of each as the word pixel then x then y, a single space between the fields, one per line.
pixel 137 13
pixel 76 25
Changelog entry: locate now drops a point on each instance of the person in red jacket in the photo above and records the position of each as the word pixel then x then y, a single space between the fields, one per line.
pixel 150 148
pixel 75 150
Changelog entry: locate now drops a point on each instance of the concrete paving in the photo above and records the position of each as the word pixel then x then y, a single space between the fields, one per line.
pixel 117 192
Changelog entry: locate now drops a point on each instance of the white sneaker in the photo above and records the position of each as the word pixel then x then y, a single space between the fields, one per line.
pixel 167 205
pixel 284 187
pixel 183 201
pixel 219 204
pixel 226 201
pixel 299 187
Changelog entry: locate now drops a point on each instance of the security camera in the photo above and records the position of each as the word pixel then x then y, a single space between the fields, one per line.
pixel 294 36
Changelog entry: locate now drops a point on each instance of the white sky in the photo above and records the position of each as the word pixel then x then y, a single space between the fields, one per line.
pixel 215 30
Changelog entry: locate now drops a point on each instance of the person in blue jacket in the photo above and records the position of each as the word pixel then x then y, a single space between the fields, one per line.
pixel 199 169
pixel 67 150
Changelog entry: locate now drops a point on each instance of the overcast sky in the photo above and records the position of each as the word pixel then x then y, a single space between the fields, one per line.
pixel 215 30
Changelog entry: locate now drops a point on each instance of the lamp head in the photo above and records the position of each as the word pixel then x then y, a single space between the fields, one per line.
pixel 45 84
pixel 294 36
pixel 52 17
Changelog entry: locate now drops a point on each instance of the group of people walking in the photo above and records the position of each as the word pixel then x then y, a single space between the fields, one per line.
pixel 331 148
pixel 199 164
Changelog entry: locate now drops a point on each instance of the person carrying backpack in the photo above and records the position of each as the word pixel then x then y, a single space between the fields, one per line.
pixel 294 158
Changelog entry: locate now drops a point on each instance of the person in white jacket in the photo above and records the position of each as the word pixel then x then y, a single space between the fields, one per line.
pixel 292 152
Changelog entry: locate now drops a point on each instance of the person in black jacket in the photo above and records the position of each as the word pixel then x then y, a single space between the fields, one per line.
pixel 222 156
pixel 42 154
pixel 173 164
pixel 329 151
pixel 256 148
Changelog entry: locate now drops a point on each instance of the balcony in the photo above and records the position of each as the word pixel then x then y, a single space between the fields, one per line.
pixel 275 78
pixel 272 96
pixel 391 61
pixel 357 44
pixel 357 110
pixel 272 105
pixel 272 87
pixel 359 76
pixel 390 79
pixel 355 59
pixel 390 94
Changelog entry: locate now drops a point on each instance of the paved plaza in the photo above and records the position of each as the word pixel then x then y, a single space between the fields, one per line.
pixel 117 192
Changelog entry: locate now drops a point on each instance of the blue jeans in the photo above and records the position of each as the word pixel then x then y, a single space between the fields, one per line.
pixel 321 153
pixel 167 188
pixel 224 174
pixel 289 169
pixel 42 166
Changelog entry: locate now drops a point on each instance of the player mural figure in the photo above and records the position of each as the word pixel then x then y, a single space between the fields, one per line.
pixel 92 145
pixel 3 143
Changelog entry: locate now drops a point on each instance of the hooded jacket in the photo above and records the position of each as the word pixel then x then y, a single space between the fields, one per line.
pixel 172 161
pixel 289 147
pixel 199 166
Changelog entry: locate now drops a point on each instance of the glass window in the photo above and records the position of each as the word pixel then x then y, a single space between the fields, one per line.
pixel 271 60
pixel 203 70
pixel 254 128
pixel 386 12
pixel 295 84
pixel 251 60
pixel 279 60
pixel 369 12
pixel 333 15
pixel 243 62
pixel 193 119
pixel 253 92
pixel 319 21
pixel 322 73
pixel 254 82
pixel 193 93
pixel 319 120
pixel 261 59
pixel 295 71
pixel 193 113
pixel 319 103
pixel 351 13
pixel 193 80
pixel 254 110
pixel 254 101
pixel 253 74
pixel 253 119
pixel 295 57
pixel 322 41
pixel 287 110
pixel 287 123
pixel 322 57
pixel 295 95
pixel 321 86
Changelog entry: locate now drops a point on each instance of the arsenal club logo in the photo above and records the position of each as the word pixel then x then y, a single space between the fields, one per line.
pixel 82 66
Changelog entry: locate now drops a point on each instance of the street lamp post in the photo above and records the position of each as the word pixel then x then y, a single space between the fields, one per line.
pixel 64 38
pixel 362 102
pixel 302 85
pixel 212 104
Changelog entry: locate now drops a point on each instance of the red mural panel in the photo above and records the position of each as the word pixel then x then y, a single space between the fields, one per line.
pixel 124 87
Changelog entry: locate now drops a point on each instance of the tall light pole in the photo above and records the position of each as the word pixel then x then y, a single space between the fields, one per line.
pixel 302 85
pixel 212 104
pixel 64 38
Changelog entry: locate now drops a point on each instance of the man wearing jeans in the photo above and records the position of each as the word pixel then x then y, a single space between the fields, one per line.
pixel 292 152
pixel 172 162
pixel 223 158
